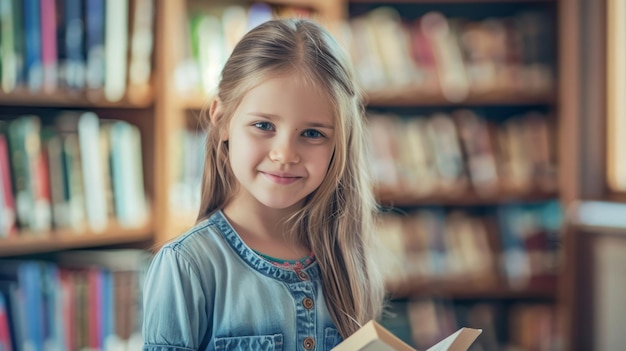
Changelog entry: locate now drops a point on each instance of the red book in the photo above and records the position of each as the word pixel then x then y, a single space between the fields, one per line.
pixel 5 336
pixel 68 298
pixel 95 309
pixel 422 54
pixel 41 189
pixel 49 44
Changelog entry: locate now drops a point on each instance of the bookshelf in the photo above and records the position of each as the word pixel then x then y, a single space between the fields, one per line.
pixel 77 91
pixel 410 102
pixel 163 107
pixel 183 106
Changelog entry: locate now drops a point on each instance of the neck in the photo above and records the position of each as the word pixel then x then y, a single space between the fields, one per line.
pixel 265 229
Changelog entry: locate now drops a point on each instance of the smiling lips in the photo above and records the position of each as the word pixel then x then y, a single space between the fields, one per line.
pixel 279 178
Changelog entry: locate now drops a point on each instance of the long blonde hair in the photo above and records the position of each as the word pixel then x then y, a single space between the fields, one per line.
pixel 336 221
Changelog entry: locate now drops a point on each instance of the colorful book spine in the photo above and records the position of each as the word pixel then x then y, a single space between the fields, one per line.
pixel 49 54
pixel 140 65
pixel 88 134
pixel 32 35
pixel 74 44
pixel 10 44
pixel 94 28
pixel 116 49
pixel 5 334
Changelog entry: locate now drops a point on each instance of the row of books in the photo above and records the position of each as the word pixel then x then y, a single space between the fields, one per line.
pixel 76 44
pixel 432 54
pixel 78 172
pixel 85 300
pixel 213 34
pixel 518 243
pixel 521 326
pixel 450 153
pixel 452 55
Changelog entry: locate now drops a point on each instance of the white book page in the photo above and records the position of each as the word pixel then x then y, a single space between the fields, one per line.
pixel 445 344
pixel 459 341
pixel 377 345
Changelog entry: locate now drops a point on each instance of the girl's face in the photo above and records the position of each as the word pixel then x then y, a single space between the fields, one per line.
pixel 281 140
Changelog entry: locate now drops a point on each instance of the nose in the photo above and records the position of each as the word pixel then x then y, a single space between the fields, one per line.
pixel 284 151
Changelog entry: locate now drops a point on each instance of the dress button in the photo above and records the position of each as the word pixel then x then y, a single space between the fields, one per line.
pixel 308 343
pixel 307 303
pixel 302 275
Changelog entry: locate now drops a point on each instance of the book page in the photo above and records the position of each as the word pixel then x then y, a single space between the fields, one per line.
pixel 374 337
pixel 458 341
pixel 445 344
pixel 377 345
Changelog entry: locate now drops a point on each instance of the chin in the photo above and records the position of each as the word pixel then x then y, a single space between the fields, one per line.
pixel 280 204
pixel 276 205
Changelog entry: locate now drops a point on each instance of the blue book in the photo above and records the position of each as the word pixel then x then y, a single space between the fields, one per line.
pixel 74 44
pixel 30 281
pixel 511 221
pixel 14 299
pixel 32 35
pixel 53 307
pixel 108 308
pixel 258 13
pixel 94 43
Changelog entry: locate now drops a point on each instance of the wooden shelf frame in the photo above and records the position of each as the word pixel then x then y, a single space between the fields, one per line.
pixel 70 99
pixel 35 243
pixel 410 97
pixel 465 198
pixel 448 1
pixel 458 290
pixel 413 97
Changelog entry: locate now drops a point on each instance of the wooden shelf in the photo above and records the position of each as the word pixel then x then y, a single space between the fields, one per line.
pixel 447 1
pixel 547 290
pixel 407 97
pixel 138 98
pixel 310 4
pixel 415 97
pixel 401 197
pixel 31 243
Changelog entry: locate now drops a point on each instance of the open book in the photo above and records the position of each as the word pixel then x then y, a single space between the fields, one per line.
pixel 374 337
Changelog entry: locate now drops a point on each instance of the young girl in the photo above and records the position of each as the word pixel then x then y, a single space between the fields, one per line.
pixel 280 257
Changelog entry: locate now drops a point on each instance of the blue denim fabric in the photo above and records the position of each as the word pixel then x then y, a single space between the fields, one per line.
pixel 207 290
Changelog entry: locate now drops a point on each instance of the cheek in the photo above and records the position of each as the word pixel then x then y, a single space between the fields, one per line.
pixel 243 150
pixel 321 159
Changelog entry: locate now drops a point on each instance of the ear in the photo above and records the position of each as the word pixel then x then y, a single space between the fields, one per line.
pixel 216 112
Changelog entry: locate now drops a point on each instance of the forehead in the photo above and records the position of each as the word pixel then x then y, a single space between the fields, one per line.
pixel 289 95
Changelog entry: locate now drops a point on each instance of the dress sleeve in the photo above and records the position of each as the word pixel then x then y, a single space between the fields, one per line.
pixel 174 303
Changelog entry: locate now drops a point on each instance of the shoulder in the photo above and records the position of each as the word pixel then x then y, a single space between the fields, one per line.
pixel 198 245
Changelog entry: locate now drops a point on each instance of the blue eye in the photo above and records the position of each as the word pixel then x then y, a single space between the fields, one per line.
pixel 263 125
pixel 312 133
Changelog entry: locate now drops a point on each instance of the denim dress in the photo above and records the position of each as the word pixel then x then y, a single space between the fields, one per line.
pixel 207 290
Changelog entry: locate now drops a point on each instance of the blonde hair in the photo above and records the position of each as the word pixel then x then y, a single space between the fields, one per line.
pixel 337 219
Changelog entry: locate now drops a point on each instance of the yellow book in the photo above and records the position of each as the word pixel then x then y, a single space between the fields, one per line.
pixel 374 337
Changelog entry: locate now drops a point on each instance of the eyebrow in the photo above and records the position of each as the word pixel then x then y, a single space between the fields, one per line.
pixel 274 117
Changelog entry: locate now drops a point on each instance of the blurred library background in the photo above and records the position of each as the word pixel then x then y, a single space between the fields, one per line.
pixel 498 149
